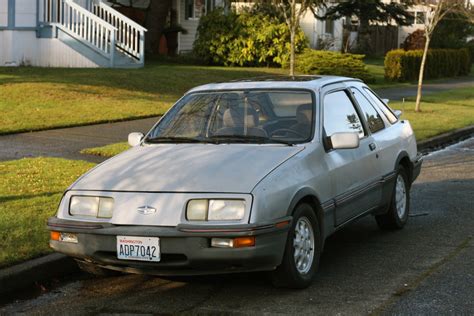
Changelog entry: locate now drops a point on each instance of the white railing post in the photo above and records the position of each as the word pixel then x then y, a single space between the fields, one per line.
pixel 141 51
pixel 112 48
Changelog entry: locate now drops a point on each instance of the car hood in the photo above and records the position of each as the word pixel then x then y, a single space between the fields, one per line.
pixel 226 168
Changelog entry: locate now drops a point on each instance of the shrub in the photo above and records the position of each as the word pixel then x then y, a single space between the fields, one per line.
pixel 404 65
pixel 244 39
pixel 415 40
pixel 333 63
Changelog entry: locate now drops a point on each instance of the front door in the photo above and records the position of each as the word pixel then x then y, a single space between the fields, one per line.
pixel 354 173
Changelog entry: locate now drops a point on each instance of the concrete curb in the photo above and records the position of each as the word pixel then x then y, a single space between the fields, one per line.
pixel 57 265
pixel 28 273
pixel 445 139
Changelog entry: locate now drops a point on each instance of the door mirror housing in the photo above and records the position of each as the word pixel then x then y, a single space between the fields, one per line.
pixel 134 139
pixel 398 113
pixel 344 140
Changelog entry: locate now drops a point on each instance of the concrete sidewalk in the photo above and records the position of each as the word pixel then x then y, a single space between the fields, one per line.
pixel 399 93
pixel 68 142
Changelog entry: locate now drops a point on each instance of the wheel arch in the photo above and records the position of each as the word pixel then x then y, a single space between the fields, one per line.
pixel 308 195
pixel 404 160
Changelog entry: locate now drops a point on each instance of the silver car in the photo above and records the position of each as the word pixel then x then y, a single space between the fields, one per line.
pixel 250 175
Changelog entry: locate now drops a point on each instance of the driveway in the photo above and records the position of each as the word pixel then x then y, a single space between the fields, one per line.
pixel 68 142
pixel 426 268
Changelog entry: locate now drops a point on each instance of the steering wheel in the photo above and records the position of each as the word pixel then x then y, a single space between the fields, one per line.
pixel 286 131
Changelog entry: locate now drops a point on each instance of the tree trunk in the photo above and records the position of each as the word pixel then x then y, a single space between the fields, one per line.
pixel 155 23
pixel 420 77
pixel 363 38
pixel 292 51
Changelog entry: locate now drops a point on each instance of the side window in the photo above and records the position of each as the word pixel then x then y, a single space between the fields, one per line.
pixel 340 114
pixel 371 115
pixel 382 106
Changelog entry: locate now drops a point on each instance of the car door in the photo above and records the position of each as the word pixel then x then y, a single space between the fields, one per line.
pixel 354 173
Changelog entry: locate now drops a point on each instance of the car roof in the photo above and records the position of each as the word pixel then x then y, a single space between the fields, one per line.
pixel 273 82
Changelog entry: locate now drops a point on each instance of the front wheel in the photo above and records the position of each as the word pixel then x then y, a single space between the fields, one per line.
pixel 302 251
pixel 397 215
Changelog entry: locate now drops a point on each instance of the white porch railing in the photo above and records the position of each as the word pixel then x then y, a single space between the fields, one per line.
pixel 130 35
pixel 81 24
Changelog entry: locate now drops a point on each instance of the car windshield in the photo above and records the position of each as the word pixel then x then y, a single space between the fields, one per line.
pixel 245 116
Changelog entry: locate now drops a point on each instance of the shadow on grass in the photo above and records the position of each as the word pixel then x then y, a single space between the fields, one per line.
pixel 9 198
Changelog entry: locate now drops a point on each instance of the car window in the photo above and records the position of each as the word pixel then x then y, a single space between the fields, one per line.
pixel 240 116
pixel 382 106
pixel 340 114
pixel 286 104
pixel 373 118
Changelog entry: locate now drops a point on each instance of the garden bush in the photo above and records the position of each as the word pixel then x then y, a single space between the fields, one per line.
pixel 401 65
pixel 244 39
pixel 323 62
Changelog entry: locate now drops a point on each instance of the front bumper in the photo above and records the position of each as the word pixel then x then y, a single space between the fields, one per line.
pixel 185 249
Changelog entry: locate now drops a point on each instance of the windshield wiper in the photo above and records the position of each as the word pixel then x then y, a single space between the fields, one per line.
pixel 171 139
pixel 249 139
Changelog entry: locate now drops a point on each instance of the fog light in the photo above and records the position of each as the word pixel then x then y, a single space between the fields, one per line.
pixel 238 242
pixel 68 237
pixel 64 237
pixel 222 242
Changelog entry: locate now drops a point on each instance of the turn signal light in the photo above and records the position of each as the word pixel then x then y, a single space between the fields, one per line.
pixel 55 236
pixel 241 242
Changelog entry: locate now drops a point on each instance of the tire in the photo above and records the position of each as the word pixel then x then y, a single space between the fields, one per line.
pixel 93 269
pixel 399 208
pixel 288 274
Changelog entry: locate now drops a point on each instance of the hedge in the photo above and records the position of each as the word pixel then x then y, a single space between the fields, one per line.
pixel 321 62
pixel 401 65
pixel 244 39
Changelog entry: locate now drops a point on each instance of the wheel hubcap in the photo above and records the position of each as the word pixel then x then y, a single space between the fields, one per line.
pixel 400 197
pixel 303 243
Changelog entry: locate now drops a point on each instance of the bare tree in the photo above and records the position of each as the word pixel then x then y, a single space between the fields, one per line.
pixel 437 11
pixel 292 11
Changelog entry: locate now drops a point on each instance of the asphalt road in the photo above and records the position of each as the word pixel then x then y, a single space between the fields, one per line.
pixel 426 268
pixel 68 142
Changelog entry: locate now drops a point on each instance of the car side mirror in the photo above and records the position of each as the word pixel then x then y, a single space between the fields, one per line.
pixel 398 113
pixel 386 101
pixel 134 139
pixel 344 140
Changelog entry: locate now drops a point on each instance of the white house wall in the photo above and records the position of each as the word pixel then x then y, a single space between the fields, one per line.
pixel 186 41
pixel 25 13
pixel 24 48
pixel 3 13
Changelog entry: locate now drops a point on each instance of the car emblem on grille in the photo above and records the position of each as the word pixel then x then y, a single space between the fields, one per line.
pixel 146 210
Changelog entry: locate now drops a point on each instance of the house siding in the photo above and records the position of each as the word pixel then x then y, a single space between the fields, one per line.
pixel 186 41
pixel 24 48
pixel 3 13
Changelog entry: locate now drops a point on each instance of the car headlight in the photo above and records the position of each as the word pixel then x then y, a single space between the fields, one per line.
pixel 215 210
pixel 91 206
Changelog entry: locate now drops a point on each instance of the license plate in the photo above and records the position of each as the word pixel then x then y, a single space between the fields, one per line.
pixel 138 248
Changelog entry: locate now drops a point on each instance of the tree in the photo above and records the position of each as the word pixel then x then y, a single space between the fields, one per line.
pixel 292 11
pixel 156 23
pixel 436 12
pixel 369 11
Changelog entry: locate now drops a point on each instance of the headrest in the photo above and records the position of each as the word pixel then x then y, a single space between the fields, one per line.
pixel 304 113
pixel 234 117
pixel 232 100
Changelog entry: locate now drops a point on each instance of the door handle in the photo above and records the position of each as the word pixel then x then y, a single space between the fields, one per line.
pixel 372 146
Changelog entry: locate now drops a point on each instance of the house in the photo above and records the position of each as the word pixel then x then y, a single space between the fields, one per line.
pixel 68 33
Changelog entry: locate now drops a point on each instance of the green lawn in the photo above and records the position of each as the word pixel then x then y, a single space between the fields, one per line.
pixel 41 98
pixel 60 97
pixel 30 192
pixel 441 112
